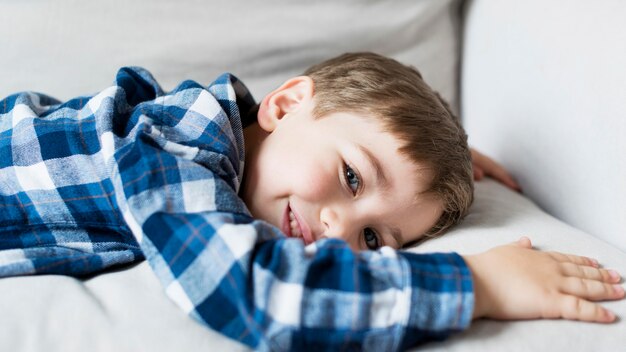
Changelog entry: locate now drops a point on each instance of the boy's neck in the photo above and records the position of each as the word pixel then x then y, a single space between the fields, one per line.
pixel 253 136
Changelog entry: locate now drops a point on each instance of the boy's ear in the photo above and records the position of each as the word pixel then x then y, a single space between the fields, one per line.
pixel 287 98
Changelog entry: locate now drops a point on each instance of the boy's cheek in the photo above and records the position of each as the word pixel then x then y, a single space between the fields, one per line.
pixel 318 182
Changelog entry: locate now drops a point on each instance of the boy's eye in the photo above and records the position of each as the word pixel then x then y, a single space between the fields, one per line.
pixel 371 239
pixel 352 179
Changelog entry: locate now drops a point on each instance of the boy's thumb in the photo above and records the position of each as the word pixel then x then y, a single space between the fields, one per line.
pixel 524 242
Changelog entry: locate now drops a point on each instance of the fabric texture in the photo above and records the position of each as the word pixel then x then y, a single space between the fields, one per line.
pixel 92 177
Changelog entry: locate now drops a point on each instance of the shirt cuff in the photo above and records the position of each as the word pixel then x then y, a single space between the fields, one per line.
pixel 442 297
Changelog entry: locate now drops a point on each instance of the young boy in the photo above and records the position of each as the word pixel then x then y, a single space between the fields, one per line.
pixel 357 154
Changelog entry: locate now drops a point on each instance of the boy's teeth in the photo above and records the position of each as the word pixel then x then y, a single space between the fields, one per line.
pixel 295 229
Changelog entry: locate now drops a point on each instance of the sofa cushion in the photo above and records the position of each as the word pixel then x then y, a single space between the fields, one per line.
pixel 128 310
pixel 544 93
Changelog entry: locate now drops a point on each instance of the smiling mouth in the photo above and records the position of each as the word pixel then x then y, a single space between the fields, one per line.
pixel 294 227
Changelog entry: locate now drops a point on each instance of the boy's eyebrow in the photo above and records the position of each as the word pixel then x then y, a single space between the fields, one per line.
pixel 381 179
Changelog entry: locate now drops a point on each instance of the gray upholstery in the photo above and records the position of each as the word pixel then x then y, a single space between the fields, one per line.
pixel 543 92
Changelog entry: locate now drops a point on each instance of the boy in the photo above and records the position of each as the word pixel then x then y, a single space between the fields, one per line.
pixel 357 154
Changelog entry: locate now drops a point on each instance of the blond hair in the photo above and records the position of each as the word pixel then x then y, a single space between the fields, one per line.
pixel 397 95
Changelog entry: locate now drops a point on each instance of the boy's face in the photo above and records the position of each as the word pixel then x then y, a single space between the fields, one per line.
pixel 339 176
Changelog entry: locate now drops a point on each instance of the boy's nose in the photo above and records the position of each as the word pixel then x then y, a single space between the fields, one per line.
pixel 335 225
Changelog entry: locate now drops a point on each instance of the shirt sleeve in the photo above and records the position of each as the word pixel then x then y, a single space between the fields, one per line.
pixel 56 211
pixel 243 277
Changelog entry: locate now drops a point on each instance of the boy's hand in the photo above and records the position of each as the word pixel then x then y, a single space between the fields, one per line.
pixel 485 166
pixel 517 282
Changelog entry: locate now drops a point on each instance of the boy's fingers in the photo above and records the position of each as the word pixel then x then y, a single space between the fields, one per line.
pixel 497 172
pixel 592 289
pixel 587 272
pixel 478 173
pixel 565 258
pixel 524 242
pixel 485 166
pixel 503 176
pixel 575 308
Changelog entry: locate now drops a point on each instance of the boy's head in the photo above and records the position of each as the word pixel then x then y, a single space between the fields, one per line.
pixel 359 148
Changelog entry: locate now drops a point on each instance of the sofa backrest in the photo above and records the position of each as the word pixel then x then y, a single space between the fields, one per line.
pixel 544 92
pixel 67 48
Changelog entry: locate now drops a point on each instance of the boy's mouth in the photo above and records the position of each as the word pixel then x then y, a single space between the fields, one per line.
pixel 294 226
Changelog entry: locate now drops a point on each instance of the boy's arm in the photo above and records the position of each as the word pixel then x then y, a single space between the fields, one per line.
pixel 241 277
pixel 177 173
pixel 517 282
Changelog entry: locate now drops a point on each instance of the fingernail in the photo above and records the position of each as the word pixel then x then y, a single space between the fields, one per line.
pixel 610 316
pixel 618 289
pixel 594 262
pixel 614 275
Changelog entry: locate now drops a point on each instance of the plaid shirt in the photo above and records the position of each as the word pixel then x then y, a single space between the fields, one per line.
pixel 134 173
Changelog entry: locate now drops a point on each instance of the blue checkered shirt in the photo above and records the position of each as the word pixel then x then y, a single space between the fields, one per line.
pixel 132 173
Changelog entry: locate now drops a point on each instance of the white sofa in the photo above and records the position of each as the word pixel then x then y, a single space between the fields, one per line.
pixel 540 86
